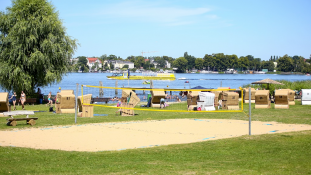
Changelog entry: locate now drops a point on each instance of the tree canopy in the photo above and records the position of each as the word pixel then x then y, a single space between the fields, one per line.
pixel 35 50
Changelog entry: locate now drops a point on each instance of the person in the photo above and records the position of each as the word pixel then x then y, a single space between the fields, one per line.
pixel 56 99
pixel 50 99
pixel 23 99
pixel 189 96
pixel 162 101
pixel 178 99
pixel 39 91
pixel 119 105
pixel 14 100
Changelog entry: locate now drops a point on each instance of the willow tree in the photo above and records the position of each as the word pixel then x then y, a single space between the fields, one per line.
pixel 34 48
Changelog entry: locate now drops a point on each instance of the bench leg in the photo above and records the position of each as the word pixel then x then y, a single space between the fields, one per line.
pixel 13 123
pixel 31 122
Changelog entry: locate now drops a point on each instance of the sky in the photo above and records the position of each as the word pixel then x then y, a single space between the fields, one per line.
pixel 262 28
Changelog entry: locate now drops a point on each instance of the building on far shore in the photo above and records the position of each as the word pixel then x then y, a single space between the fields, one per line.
pixel 92 62
pixel 118 64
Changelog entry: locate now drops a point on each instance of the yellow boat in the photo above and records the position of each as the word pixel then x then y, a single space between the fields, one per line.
pixel 144 76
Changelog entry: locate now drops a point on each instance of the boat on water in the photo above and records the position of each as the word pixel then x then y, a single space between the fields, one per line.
pixel 231 71
pixel 144 76
pixel 259 72
pixel 208 72
pixel 182 78
pixel 146 82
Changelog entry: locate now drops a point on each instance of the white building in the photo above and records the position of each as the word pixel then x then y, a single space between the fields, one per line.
pixel 118 64
pixel 74 60
pixel 167 64
pixel 92 62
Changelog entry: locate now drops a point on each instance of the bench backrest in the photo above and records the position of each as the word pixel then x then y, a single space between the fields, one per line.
pixel 86 99
pixel 262 97
pixel 4 101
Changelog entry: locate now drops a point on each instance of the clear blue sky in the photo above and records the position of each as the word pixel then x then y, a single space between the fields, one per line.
pixel 171 27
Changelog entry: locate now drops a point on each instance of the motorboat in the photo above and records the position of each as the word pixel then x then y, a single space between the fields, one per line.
pixel 231 71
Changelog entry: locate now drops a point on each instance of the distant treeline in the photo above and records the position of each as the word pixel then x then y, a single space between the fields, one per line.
pixel 218 62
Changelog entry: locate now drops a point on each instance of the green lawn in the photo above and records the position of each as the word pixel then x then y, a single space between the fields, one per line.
pixel 283 153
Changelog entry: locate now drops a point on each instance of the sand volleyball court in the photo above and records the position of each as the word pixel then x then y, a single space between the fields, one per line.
pixel 137 134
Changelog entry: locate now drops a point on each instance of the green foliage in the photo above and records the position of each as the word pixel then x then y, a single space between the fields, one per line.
pixel 199 62
pixel 209 62
pixel 243 63
pixel 111 66
pixel 268 65
pixel 35 50
pixel 181 64
pixel 285 64
pixel 190 61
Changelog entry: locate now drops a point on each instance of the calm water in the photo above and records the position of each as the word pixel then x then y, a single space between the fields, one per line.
pixel 206 80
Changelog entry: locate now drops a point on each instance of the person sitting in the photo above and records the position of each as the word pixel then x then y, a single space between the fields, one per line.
pixel 178 99
pixel 162 101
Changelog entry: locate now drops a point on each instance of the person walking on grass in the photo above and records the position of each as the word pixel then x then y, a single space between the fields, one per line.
pixel 23 99
pixel 14 100
pixel 50 99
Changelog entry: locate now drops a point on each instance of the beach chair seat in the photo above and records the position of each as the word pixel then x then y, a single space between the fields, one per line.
pixel 291 96
pixel 262 99
pixel 246 95
pixel 230 101
pixel 66 102
pixel 156 97
pixel 281 99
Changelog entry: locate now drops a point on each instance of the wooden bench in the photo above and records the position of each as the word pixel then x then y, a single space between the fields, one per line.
pixel 13 121
pixel 31 100
pixel 103 99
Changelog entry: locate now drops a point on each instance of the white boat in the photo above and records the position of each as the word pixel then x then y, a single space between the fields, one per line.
pixel 182 78
pixel 208 72
pixel 231 71
pixel 259 72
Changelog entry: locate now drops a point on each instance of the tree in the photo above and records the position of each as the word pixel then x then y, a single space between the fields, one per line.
pixel 111 66
pixel 82 63
pixel 298 63
pixel 35 50
pixel 106 67
pixel 257 64
pixel 199 63
pixel 191 61
pixel 180 63
pixel 209 62
pixel 285 64
pixel 243 63
pixel 268 65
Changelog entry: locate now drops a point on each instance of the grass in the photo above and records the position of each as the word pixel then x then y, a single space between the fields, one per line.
pixel 283 153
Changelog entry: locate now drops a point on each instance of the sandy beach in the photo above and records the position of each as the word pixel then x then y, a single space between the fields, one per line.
pixel 137 134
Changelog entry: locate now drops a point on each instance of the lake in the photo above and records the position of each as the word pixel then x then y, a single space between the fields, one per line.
pixel 206 80
pixel 234 81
